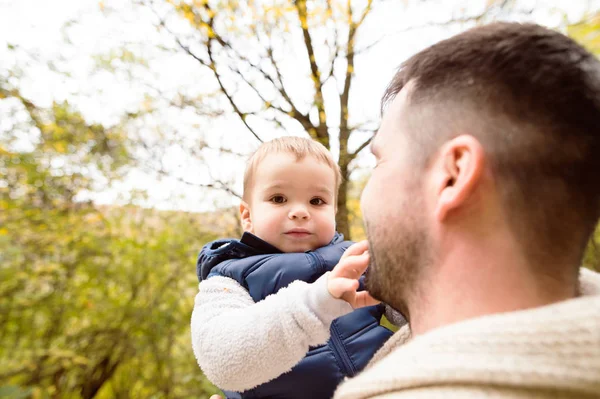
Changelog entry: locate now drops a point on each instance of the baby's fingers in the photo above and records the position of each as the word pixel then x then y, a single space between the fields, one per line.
pixel 356 249
pixel 352 267
pixel 362 299
pixel 339 286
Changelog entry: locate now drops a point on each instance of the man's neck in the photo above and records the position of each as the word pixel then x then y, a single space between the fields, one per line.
pixel 477 280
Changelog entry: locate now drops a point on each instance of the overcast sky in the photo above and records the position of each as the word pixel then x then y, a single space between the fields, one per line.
pixel 97 28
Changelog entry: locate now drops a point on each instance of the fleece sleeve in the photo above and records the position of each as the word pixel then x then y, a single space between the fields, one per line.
pixel 240 344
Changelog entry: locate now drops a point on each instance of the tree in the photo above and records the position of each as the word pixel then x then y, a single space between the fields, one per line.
pixel 587 33
pixel 94 302
pixel 247 48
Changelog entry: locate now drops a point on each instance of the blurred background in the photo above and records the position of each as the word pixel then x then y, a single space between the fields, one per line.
pixel 124 126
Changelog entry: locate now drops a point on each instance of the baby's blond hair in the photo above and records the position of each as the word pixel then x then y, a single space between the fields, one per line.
pixel 298 146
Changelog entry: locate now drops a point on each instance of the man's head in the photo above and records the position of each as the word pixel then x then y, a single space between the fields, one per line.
pixel 495 128
pixel 290 194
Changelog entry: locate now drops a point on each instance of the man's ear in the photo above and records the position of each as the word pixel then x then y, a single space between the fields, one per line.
pixel 245 217
pixel 459 171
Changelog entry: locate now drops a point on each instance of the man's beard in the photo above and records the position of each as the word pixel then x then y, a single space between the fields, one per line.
pixel 397 261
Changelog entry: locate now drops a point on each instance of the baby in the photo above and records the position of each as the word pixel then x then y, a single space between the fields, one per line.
pixel 273 317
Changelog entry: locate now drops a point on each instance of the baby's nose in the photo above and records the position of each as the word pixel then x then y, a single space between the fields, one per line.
pixel 299 212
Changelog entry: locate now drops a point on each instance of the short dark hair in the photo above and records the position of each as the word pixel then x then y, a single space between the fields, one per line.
pixel 531 95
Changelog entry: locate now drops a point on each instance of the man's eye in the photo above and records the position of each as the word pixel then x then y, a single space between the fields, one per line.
pixel 317 201
pixel 277 199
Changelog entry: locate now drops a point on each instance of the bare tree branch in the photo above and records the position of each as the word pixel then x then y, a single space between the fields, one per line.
pixel 345 95
pixel 360 148
pixel 329 73
pixel 217 185
pixel 256 91
pixel 364 14
pixel 320 133
pixel 474 18
pixel 182 102
pixel 212 66
pixel 295 113
pixel 156 155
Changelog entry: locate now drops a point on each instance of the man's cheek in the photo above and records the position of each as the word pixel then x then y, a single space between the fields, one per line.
pixel 364 198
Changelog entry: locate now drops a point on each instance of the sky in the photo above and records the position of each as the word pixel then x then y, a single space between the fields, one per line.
pixel 93 29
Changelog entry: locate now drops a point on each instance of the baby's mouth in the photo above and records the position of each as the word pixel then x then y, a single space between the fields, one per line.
pixel 298 233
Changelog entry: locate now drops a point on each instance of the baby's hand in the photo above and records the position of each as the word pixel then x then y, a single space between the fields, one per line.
pixel 343 279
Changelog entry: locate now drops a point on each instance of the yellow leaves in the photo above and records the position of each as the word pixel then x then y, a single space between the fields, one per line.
pixel 209 31
pixel 93 218
pixel 277 12
pixel 199 3
pixel 188 13
pixel 60 147
pixel 587 33
pixel 591 259
pixel 355 220
pixel 3 231
pixel 350 69
pixel 36 393
pixel 303 22
pixel 47 268
pixel 198 15
pixel 329 13
pixel 80 360
pixel 147 104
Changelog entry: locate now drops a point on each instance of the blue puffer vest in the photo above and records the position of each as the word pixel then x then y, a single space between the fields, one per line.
pixel 263 270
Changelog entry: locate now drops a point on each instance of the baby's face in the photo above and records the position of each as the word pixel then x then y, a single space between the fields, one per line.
pixel 291 203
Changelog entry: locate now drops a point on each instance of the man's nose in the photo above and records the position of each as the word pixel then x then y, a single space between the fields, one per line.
pixel 299 212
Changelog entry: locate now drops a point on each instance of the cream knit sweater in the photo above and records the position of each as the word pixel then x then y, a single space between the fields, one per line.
pixel 547 352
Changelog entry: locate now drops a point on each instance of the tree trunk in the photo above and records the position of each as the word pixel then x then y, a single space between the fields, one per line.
pixel 343 224
pixel 102 372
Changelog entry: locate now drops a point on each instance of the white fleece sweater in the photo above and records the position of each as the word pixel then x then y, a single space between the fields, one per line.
pixel 240 344
pixel 546 352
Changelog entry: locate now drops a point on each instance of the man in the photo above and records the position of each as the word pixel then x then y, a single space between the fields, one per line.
pixel 485 193
pixel 491 143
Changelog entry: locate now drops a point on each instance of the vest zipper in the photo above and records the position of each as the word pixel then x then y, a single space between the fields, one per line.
pixel 340 352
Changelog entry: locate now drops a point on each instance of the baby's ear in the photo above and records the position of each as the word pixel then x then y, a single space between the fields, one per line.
pixel 245 217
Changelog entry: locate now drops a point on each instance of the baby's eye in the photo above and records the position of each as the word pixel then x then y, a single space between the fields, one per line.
pixel 317 201
pixel 277 199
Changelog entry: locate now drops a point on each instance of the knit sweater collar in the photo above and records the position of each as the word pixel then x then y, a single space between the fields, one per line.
pixel 554 348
